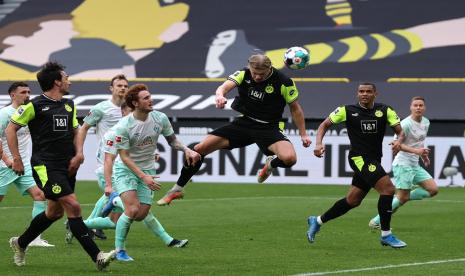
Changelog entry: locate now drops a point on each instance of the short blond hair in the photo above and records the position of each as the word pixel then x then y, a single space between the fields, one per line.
pixel 259 61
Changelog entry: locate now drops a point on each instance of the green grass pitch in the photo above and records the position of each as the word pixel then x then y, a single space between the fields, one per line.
pixel 251 229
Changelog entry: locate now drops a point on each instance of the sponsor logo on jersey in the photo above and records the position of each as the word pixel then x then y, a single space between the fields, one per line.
pixel 46 108
pixel 109 143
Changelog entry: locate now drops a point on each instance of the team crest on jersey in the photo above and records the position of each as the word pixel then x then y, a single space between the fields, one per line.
pixel 269 89
pixel 68 108
pixel 371 168
pixel 379 113
pixel 56 189
pixel 118 139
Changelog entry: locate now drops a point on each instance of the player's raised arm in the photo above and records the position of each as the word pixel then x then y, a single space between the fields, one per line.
pixel 221 91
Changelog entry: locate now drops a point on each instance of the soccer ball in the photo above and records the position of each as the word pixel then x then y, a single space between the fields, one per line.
pixel 296 58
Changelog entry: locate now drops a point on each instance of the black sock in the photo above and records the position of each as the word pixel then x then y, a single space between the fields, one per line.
pixel 188 171
pixel 38 225
pixel 81 232
pixel 385 211
pixel 276 162
pixel 339 208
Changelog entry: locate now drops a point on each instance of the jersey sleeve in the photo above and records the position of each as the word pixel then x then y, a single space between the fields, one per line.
pixel 339 115
pixel 121 138
pixel 405 124
pixel 94 116
pixel 392 117
pixel 23 115
pixel 109 146
pixel 167 127
pixel 75 121
pixel 237 77
pixel 289 91
pixel 4 120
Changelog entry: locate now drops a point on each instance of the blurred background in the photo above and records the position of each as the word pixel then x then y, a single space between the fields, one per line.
pixel 184 49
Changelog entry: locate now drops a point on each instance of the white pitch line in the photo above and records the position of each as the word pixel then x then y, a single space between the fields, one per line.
pixel 257 198
pixel 380 267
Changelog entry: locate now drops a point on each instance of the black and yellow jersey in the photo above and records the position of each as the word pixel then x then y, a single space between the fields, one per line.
pixel 51 124
pixel 366 127
pixel 264 101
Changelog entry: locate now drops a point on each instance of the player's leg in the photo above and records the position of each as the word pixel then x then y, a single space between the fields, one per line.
pixel 353 199
pixel 386 190
pixel 99 205
pixel 210 144
pixel 428 187
pixel 132 205
pixel 39 224
pixel 285 158
pixel 404 180
pixel 39 205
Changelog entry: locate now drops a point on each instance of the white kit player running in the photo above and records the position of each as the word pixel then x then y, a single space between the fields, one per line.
pixel 136 137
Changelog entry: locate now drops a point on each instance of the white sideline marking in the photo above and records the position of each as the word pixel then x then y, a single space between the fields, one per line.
pixel 256 198
pixel 380 267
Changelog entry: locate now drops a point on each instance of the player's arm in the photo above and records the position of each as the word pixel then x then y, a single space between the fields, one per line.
pixel 339 115
pixel 108 162
pixel 80 138
pixel 149 180
pixel 299 120
pixel 77 159
pixel 191 156
pixel 221 91
pixel 12 140
pixel 394 121
pixel 319 146
pixel 22 116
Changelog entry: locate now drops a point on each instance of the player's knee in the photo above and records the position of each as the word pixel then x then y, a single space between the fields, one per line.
pixel 54 214
pixel 433 191
pixel 403 198
pixel 289 160
pixel 132 210
pixel 37 195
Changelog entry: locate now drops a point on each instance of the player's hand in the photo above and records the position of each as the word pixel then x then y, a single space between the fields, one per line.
pixel 306 141
pixel 75 163
pixel 319 150
pixel 395 146
pixel 8 163
pixel 192 157
pixel 423 152
pixel 108 189
pixel 149 180
pixel 220 101
pixel 425 160
pixel 18 167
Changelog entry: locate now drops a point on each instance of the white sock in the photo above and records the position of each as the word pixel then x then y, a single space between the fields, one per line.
pixel 177 188
pixel 318 219
pixel 385 233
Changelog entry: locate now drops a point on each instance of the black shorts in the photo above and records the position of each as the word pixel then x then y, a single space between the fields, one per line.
pixel 367 171
pixel 244 131
pixel 53 179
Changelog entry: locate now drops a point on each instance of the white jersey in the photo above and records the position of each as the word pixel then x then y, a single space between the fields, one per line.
pixel 415 135
pixel 140 138
pixel 23 136
pixel 103 116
